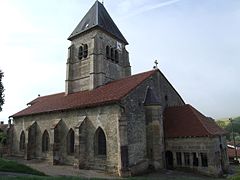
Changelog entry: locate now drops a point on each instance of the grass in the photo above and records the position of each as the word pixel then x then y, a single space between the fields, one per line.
pixel 236 175
pixel 42 178
pixel 13 166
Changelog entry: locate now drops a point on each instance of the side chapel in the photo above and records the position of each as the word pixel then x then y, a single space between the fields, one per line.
pixel 112 120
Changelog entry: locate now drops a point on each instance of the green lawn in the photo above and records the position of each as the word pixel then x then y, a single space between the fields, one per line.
pixel 13 166
pixel 41 178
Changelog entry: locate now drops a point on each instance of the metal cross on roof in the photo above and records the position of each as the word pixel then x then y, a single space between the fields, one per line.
pixel 156 64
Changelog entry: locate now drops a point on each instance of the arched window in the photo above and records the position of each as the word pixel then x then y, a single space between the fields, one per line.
pixel 80 52
pixel 116 56
pixel 45 141
pixel 22 141
pixel 107 52
pixel 100 142
pixel 85 50
pixel 112 54
pixel 70 141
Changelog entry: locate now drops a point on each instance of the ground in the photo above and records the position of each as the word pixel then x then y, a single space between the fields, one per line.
pixel 65 170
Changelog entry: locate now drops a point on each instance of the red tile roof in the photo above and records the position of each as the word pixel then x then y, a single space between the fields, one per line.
pixel 231 152
pixel 109 93
pixel 186 121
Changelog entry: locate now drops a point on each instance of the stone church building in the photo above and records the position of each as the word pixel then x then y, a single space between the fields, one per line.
pixel 111 120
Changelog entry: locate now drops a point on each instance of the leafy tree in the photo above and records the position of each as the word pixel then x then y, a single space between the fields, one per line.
pixel 1 90
pixel 236 129
pixel 222 124
pixel 3 138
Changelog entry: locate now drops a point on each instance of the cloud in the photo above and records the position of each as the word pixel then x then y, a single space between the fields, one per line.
pixel 145 8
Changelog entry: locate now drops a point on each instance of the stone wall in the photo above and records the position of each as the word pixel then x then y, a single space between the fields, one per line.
pixel 217 160
pixel 96 69
pixel 105 117
pixel 135 113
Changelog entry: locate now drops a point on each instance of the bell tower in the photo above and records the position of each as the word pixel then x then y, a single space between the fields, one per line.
pixel 97 54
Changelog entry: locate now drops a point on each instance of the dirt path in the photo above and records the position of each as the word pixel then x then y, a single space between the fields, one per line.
pixel 62 170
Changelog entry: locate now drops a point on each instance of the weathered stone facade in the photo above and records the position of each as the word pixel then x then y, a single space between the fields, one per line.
pixel 129 126
pixel 96 68
pixel 107 119
pixel 213 147
pixel 145 123
pixel 84 123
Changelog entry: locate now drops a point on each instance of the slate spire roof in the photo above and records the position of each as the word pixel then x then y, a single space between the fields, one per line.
pixel 98 16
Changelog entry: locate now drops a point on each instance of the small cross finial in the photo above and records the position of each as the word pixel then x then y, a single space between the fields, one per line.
pixel 103 2
pixel 156 64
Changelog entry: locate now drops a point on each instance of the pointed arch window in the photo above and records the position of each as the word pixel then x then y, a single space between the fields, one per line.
pixel 116 56
pixel 70 141
pixel 112 54
pixel 85 50
pixel 107 52
pixel 100 142
pixel 45 141
pixel 22 141
pixel 80 52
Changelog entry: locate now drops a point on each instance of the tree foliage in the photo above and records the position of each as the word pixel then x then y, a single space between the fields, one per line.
pixel 225 124
pixel 1 90
pixel 3 138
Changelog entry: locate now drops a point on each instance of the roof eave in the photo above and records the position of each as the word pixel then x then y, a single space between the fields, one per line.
pixel 68 109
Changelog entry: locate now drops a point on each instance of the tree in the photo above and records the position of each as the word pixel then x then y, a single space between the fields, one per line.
pixel 1 90
pixel 3 138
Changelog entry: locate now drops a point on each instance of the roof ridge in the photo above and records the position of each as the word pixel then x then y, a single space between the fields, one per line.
pixel 99 86
pixel 112 92
pixel 50 95
pixel 133 76
pixel 130 90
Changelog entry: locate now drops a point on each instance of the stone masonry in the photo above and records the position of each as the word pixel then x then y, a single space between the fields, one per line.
pixel 111 120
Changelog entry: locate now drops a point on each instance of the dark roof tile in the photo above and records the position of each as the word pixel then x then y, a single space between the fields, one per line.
pixel 98 16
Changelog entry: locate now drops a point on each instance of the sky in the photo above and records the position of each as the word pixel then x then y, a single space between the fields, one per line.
pixel 196 43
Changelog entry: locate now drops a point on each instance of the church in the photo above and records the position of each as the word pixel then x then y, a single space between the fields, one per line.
pixel 111 120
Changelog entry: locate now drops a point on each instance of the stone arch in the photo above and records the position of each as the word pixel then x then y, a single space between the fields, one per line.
pixel 100 142
pixel 70 142
pixel 45 141
pixel 22 141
